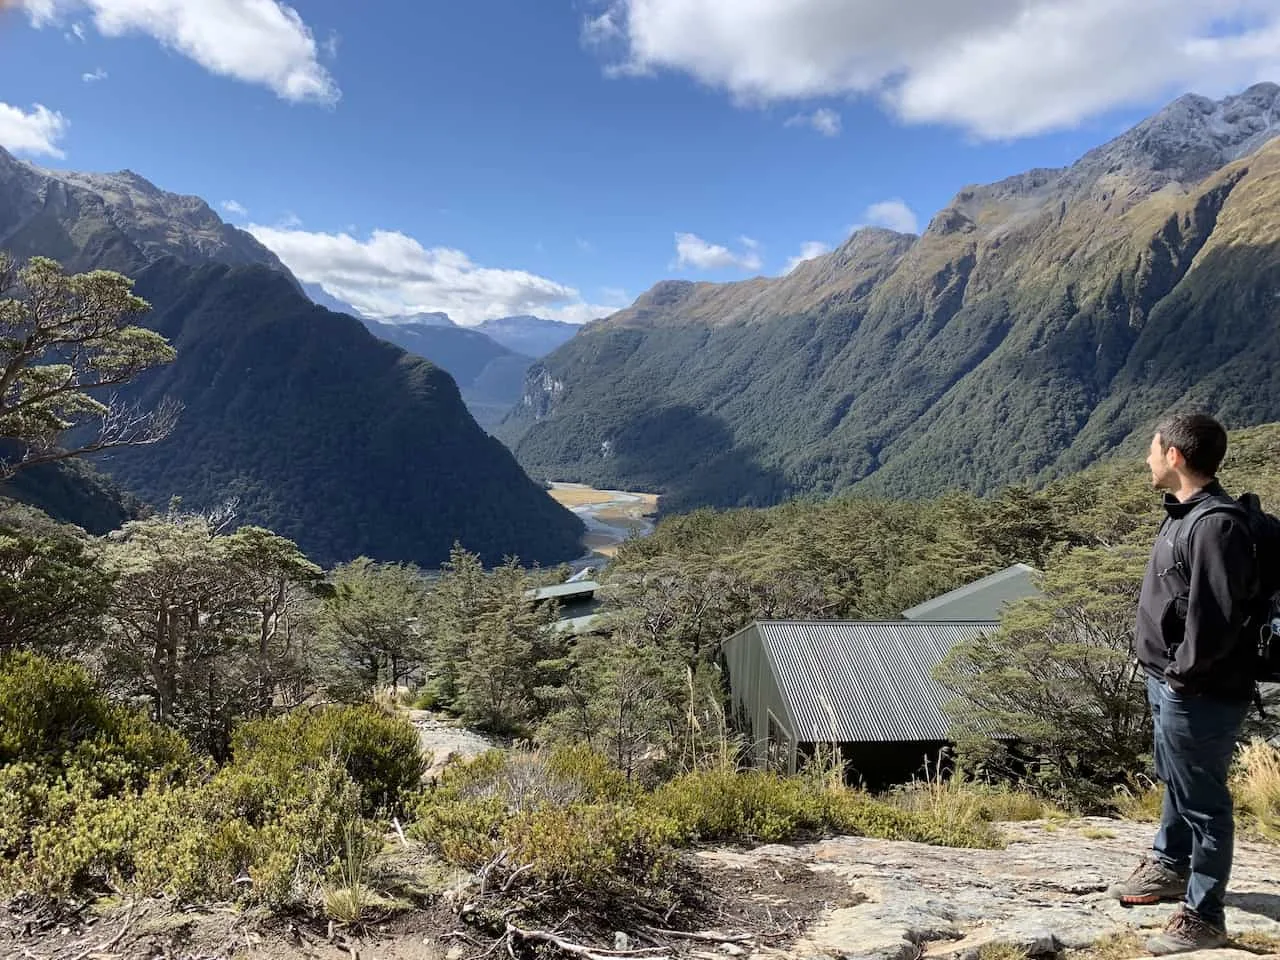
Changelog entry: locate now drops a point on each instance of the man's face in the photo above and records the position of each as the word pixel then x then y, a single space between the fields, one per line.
pixel 1161 462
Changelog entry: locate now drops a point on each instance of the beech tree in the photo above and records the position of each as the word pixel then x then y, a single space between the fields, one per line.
pixel 65 342
pixel 52 588
pixel 622 697
pixel 512 654
pixel 200 622
pixel 1058 676
pixel 372 624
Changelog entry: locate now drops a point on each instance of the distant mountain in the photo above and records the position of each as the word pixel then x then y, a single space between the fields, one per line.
pixel 490 376
pixel 325 434
pixel 114 221
pixel 322 298
pixel 435 319
pixel 1039 323
pixel 531 336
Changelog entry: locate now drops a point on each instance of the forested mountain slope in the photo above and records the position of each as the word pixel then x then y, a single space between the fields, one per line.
pixel 1038 323
pixel 328 436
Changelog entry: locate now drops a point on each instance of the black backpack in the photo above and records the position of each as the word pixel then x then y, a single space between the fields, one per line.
pixel 1264 617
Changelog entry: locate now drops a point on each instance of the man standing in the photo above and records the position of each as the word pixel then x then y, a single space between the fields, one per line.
pixel 1190 639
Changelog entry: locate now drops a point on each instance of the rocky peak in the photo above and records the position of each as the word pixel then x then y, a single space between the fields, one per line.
pixel 664 294
pixel 1186 142
pixel 1191 138
pixel 121 221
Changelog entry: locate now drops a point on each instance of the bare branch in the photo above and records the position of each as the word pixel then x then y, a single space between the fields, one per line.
pixel 122 425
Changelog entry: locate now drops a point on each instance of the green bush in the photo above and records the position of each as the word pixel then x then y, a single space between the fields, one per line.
pixel 380 752
pixel 574 822
pixel 592 845
pixel 54 718
pixel 233 837
pixel 94 795
pixel 46 708
pixel 241 836
pixel 726 805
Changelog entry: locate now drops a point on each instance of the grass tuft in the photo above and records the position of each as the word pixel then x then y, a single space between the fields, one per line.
pixel 1255 785
pixel 959 799
pixel 1141 800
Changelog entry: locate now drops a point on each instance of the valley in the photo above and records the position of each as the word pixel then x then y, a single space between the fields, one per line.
pixel 611 516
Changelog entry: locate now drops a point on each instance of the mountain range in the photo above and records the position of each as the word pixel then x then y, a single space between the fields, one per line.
pixel 320 431
pixel 490 376
pixel 532 336
pixel 485 360
pixel 1037 324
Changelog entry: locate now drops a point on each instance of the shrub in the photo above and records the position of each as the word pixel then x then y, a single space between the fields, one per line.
pixel 54 719
pixel 528 780
pixel 571 822
pixel 46 708
pixel 94 795
pixel 723 804
pixel 592 845
pixel 283 833
pixel 380 752
pixel 1255 784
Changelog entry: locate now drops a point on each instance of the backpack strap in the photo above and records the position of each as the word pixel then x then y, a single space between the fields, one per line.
pixel 1182 539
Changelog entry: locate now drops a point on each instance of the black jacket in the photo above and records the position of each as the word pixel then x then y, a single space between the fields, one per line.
pixel 1190 622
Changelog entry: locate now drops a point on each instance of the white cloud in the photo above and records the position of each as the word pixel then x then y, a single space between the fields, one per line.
pixel 257 41
pixel 391 274
pixel 601 29
pixel 578 312
pixel 809 250
pixel 94 77
pixel 235 208
pixel 77 31
pixel 893 214
pixel 998 68
pixel 36 132
pixel 693 251
pixel 825 120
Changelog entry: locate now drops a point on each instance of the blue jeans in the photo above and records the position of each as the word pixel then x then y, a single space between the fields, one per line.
pixel 1195 739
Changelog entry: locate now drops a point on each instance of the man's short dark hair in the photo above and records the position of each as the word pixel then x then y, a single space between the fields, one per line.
pixel 1200 439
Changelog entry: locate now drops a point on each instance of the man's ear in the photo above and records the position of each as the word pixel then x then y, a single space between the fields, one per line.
pixel 1176 459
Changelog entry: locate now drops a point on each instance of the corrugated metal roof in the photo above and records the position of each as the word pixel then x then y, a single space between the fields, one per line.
pixel 981 600
pixel 561 590
pixel 863 682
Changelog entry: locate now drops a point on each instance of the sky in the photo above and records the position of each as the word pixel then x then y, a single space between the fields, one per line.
pixel 558 157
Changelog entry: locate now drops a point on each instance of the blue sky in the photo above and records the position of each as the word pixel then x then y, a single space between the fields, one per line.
pixel 491 157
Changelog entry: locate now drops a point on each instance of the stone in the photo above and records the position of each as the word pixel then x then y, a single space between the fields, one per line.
pixel 1044 893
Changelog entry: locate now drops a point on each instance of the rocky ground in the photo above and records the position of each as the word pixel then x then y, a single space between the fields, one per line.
pixel 1044 894
pixel 839 899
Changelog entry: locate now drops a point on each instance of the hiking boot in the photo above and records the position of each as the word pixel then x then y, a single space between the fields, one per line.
pixel 1151 882
pixel 1187 931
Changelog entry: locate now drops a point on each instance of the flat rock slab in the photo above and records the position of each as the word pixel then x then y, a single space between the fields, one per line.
pixel 1043 894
